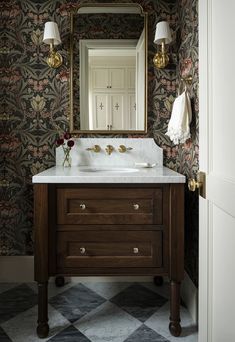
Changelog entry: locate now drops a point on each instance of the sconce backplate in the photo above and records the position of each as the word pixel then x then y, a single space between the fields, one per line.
pixel 54 60
pixel 161 60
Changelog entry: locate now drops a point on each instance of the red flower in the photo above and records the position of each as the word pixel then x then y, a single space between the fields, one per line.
pixel 70 143
pixel 67 135
pixel 59 141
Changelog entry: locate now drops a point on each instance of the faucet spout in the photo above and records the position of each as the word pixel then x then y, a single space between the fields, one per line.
pixel 109 149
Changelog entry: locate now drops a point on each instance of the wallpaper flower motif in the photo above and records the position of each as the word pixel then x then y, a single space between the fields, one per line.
pixel 34 105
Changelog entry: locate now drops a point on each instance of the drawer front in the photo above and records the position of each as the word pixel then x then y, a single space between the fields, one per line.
pixel 109 249
pixel 109 206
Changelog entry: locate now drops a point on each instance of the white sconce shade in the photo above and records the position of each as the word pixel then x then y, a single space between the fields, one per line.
pixel 163 31
pixel 51 33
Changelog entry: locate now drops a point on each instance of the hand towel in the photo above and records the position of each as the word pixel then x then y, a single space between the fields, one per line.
pixel 178 127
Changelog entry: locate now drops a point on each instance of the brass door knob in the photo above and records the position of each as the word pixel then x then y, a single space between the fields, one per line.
pixel 135 250
pixel 193 184
pixel 82 250
pixel 83 206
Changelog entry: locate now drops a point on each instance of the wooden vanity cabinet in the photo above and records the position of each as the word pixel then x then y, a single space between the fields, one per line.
pixel 107 229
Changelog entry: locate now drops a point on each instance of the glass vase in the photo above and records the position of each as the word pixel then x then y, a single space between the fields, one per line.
pixel 67 158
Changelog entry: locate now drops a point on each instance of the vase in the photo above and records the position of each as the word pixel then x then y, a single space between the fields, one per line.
pixel 67 158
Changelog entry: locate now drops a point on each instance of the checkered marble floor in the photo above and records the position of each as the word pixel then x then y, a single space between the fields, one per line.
pixel 91 311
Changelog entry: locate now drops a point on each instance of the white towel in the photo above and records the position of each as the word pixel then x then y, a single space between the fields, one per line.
pixel 178 127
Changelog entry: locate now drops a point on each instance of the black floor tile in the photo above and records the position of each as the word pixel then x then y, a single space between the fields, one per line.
pixel 145 334
pixel 76 302
pixel 15 301
pixel 70 334
pixel 139 301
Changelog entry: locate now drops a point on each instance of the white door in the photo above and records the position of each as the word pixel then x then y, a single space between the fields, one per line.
pixel 217 160
pixel 100 112
pixel 117 112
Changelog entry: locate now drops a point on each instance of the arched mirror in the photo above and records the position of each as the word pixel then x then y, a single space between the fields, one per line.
pixel 108 69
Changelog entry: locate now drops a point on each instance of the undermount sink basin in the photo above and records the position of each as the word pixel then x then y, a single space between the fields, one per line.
pixel 108 170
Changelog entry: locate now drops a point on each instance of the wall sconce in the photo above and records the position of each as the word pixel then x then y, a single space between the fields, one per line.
pixel 162 37
pixel 52 37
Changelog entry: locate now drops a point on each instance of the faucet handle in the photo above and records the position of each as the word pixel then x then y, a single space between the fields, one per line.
pixel 95 148
pixel 123 149
pixel 109 149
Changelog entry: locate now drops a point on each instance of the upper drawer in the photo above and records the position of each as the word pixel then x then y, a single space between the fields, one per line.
pixel 109 206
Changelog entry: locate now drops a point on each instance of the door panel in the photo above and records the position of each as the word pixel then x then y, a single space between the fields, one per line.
pixel 217 212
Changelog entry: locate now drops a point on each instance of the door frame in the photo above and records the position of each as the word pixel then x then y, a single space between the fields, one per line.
pixel 204 103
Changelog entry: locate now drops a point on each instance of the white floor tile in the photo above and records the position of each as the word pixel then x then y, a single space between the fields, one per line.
pixel 107 323
pixel 160 323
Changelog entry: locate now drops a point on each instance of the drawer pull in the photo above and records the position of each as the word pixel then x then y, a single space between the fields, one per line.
pixel 136 206
pixel 82 250
pixel 83 206
pixel 136 250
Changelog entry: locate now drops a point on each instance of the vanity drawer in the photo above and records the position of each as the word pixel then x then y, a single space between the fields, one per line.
pixel 109 206
pixel 109 249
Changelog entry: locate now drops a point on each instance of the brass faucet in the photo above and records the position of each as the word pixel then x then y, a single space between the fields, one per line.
pixel 123 149
pixel 109 149
pixel 95 148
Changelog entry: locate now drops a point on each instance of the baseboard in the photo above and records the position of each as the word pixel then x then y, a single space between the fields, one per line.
pixel 189 295
pixel 16 269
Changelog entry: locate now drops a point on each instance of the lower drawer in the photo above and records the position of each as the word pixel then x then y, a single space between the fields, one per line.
pixel 109 249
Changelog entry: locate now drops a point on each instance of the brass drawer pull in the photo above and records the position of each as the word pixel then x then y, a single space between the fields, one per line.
pixel 136 250
pixel 136 206
pixel 83 206
pixel 82 250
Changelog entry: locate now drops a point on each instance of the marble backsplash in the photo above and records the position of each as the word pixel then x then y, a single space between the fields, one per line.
pixel 143 151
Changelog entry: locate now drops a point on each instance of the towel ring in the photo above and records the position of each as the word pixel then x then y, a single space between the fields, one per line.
pixel 184 82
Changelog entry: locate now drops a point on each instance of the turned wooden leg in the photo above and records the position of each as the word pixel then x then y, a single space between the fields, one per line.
pixel 174 326
pixel 43 327
pixel 158 280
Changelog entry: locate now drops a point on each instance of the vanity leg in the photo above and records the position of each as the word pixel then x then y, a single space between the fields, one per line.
pixel 43 327
pixel 158 280
pixel 59 281
pixel 174 326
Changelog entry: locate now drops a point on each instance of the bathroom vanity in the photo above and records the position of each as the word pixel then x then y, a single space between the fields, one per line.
pixel 103 220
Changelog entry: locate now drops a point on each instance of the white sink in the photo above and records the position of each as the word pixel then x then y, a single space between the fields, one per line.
pixel 108 169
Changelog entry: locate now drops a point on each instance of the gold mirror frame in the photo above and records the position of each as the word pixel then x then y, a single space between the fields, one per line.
pixel 74 11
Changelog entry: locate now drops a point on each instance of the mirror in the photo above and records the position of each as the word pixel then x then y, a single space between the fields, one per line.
pixel 108 69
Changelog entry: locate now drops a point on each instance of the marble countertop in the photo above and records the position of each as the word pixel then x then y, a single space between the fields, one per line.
pixel 85 174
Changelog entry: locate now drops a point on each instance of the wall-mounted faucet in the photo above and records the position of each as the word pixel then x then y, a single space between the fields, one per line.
pixel 109 149
pixel 123 149
pixel 95 148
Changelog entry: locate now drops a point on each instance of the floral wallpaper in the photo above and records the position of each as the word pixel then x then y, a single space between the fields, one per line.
pixel 34 106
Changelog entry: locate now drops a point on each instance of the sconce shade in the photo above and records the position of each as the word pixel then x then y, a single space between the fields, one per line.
pixel 51 33
pixel 163 31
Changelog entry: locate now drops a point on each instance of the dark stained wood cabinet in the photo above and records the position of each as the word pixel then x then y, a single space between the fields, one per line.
pixel 118 229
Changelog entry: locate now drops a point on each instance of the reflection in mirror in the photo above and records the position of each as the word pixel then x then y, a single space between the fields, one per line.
pixel 108 69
